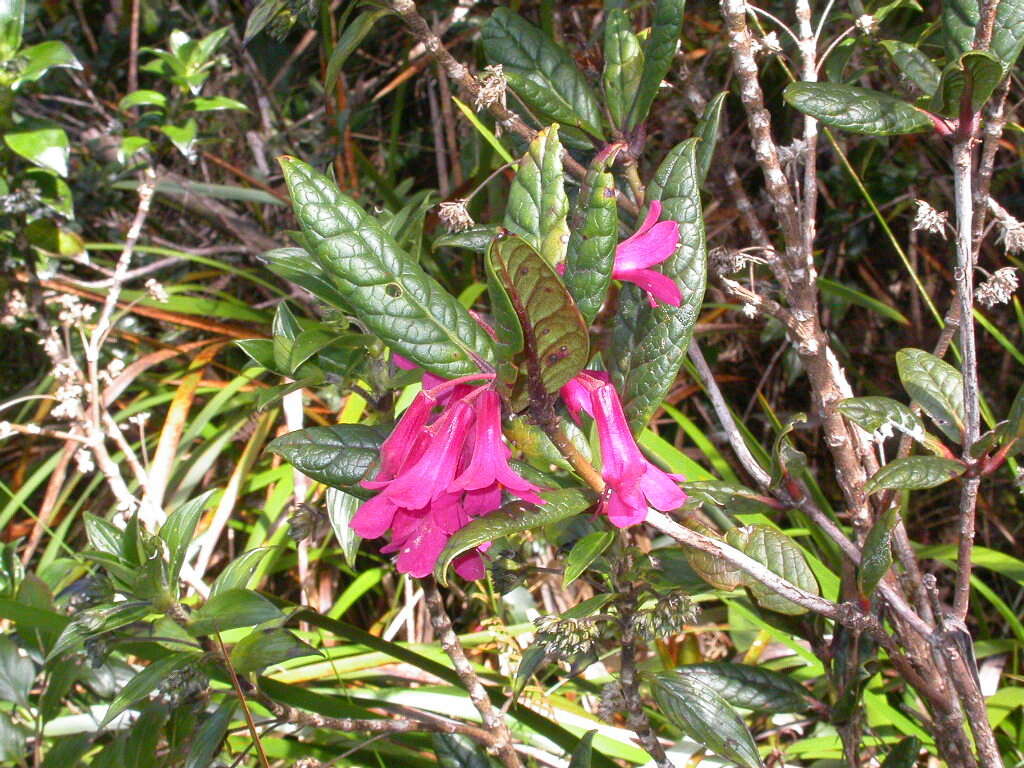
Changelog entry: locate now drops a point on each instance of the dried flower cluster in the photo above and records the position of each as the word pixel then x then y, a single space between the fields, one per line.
pixel 999 288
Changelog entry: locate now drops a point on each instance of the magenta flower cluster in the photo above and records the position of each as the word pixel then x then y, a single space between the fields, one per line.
pixel 437 472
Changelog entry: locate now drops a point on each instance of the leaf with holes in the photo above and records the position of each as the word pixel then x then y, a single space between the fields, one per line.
pixel 537 204
pixel 593 237
pixel 876 558
pixel 658 54
pixel 750 687
pixel 705 716
pixel 623 65
pixel 514 517
pixel 542 73
pixel 392 295
pixel 857 110
pixel 936 386
pixel 779 554
pixel 649 343
pixel 914 473
pixel 338 456
pixel 555 344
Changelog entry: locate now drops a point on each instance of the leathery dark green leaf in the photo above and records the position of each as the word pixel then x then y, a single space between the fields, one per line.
pixel 659 52
pixel 750 687
pixel 338 456
pixel 542 73
pixel 555 339
pixel 593 238
pixel 877 556
pixel 649 343
pixel 707 132
pixel 936 386
pixel 857 110
pixel 623 65
pixel 705 716
pixel 781 556
pixel 914 473
pixel 980 70
pixel 960 20
pixel 537 203
pixel 390 293
pixel 513 517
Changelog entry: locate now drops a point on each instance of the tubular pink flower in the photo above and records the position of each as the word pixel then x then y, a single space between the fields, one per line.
pixel 634 482
pixel 489 463
pixel 652 244
pixel 397 449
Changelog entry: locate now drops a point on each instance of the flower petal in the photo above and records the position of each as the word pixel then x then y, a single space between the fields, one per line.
pixel 649 248
pixel 659 287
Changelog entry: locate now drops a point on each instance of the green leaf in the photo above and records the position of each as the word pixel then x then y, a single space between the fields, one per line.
pixel 205 743
pixel 93 621
pixel 904 754
pixel 585 552
pixel 914 64
pixel 537 203
pixel 231 609
pixel 41 58
pixel 882 415
pixel 590 256
pixel 876 558
pixel 103 535
pixel 260 351
pixel 914 473
pixel 265 647
pixel 341 508
pixel 477 239
pixel 960 20
pixel 750 687
pixel 142 98
pixel 216 104
pixel 42 143
pixel 183 137
pixel 857 110
pixel 338 456
pixel 583 754
pixel 541 73
pixel 705 716
pixel 147 681
pixel 285 329
pixel 239 571
pixel 12 23
pixel 936 386
pixel 623 66
pixel 392 295
pixel 454 750
pixel 977 70
pixel 658 55
pixel 532 659
pixel 514 517
pixel 487 134
pixel 355 32
pixel 16 672
pixel 55 193
pixel 1015 419
pixel 707 132
pixel 260 17
pixel 649 343
pixel 297 266
pixel 178 530
pixel 781 556
pixel 555 342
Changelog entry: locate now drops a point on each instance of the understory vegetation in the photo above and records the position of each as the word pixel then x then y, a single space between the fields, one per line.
pixel 513 384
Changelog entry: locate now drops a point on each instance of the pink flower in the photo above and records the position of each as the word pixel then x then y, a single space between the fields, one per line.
pixel 634 482
pixel 652 244
pixel 436 474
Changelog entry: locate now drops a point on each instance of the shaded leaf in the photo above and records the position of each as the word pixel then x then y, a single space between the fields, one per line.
pixel 904 754
pixel 354 34
pixel 914 473
pixel 583 754
pixel 16 672
pixel 514 517
pixel 147 681
pixel 705 716
pixel 623 65
pixel 750 687
pixel 230 609
pixel 297 266
pixel 876 557
pixel 585 552
pixel 707 131
pixel 960 20
pixel 454 750
pixel 208 737
pixel 977 70
pixel 178 530
pixel 914 64
pixel 781 556
pixel 264 647
pixel 857 110
pixel 936 386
